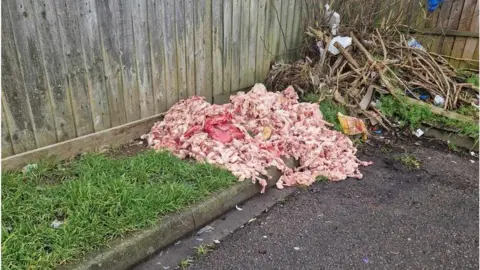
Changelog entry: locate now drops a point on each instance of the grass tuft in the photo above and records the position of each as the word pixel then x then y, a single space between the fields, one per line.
pixel 329 109
pixel 410 161
pixel 97 199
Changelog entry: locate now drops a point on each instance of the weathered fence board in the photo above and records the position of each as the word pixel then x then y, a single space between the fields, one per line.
pixel 190 46
pixel 259 53
pixel 244 50
pixel 170 52
pixel 236 29
pixel 33 74
pixel 73 68
pixel 157 48
pixel 227 46
pixel 142 57
pixel 47 30
pixel 252 43
pixel 15 102
pixel 181 48
pixel 108 14
pixel 129 68
pixel 7 148
pixel 217 38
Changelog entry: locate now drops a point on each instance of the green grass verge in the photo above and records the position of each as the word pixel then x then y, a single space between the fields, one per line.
pixel 413 115
pixel 99 198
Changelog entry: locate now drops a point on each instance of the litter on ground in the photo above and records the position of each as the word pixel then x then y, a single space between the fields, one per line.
pixel 255 131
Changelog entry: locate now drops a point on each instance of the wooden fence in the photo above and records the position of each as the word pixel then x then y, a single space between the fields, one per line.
pixel 451 30
pixel 72 68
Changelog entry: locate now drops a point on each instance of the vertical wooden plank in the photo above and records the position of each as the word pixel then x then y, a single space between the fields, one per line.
pixel 181 57
pixel 276 27
pixel 7 148
pixel 227 45
pixel 217 46
pixel 190 46
pixel 19 122
pixel 471 43
pixel 268 33
pixel 32 71
pixel 297 29
pixel 91 43
pixel 274 30
pixel 128 62
pixel 282 42
pixel 51 47
pixel 475 65
pixel 453 24
pixel 170 52
pixel 208 51
pixel 156 25
pixel 244 49
pixel 289 34
pixel 142 57
pixel 108 14
pixel 252 43
pixel 236 37
pixel 442 24
pixel 259 65
pixel 200 48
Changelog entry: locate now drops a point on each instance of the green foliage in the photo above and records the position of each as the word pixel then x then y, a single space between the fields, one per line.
pixel 329 109
pixel 410 161
pixel 413 115
pixel 99 198
pixel 473 79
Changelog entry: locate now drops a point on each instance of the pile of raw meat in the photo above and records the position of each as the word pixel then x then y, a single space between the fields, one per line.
pixel 254 131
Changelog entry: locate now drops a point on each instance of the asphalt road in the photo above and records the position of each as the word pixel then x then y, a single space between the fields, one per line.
pixel 394 218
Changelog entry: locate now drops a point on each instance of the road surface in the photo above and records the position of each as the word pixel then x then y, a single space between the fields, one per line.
pixel 394 218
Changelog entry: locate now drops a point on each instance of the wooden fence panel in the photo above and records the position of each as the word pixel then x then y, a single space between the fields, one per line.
pixel 72 68
pixel 190 46
pixel 236 31
pixel 217 38
pixel 170 52
pixel 181 49
pixel 7 148
pixel 108 14
pixel 49 41
pixel 32 71
pixel 15 102
pixel 227 45
pixel 157 48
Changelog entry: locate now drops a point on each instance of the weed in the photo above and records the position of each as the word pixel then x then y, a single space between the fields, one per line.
pixel 99 198
pixel 322 179
pixel 410 161
pixel 473 80
pixel 385 150
pixel 468 110
pixel 452 146
pixel 185 263
pixel 203 250
pixel 329 109
pixel 413 115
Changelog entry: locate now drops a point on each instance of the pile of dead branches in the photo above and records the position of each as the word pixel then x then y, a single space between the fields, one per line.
pixel 378 61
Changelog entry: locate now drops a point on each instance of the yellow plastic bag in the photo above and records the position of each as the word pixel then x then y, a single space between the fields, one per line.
pixel 352 126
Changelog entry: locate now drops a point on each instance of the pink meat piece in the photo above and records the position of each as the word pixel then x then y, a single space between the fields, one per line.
pixel 230 136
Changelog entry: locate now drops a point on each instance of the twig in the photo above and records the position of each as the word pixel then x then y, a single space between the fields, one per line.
pixel 346 55
pixel 383 45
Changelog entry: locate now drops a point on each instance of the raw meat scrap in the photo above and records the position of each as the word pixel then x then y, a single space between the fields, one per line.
pixel 254 131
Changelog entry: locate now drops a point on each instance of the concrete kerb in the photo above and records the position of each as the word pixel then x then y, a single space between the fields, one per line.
pixel 129 251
